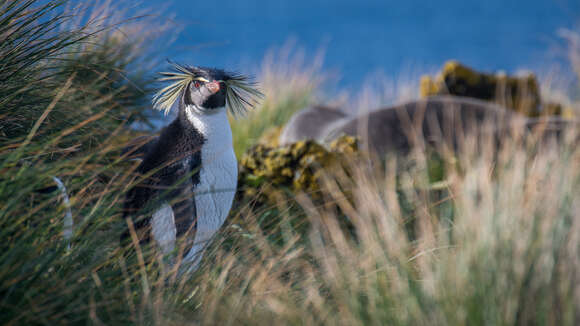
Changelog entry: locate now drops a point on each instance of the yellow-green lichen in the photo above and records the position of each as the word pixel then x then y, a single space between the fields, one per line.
pixel 266 170
pixel 345 145
pixel 427 86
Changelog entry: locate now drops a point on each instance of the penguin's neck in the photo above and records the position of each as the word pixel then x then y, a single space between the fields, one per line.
pixel 214 127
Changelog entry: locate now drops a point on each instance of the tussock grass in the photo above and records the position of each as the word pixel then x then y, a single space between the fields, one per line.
pixel 70 85
pixel 494 242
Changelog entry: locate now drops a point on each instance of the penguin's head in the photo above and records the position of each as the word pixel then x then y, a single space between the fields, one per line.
pixel 207 90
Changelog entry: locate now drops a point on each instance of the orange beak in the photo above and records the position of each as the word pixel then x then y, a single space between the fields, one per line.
pixel 213 87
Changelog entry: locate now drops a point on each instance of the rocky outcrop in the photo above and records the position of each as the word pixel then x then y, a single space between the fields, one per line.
pixel 521 94
pixel 467 95
pixel 488 107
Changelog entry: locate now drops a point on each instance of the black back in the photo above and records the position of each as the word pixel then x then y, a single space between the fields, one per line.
pixel 173 163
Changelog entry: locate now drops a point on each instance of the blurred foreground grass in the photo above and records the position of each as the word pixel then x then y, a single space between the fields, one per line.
pixel 490 239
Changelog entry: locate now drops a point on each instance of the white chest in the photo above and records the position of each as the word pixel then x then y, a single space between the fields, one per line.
pixel 217 184
pixel 215 192
pixel 219 169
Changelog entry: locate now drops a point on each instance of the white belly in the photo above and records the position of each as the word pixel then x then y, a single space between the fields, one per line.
pixel 163 228
pixel 213 196
pixel 215 192
pixel 213 199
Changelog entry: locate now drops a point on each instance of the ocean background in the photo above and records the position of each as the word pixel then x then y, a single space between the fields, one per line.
pixel 363 38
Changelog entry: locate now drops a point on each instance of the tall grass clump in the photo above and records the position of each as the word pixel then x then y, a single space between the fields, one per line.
pixel 70 84
pixel 494 241
pixel 289 81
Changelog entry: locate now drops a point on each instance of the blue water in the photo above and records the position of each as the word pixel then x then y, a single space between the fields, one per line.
pixel 363 37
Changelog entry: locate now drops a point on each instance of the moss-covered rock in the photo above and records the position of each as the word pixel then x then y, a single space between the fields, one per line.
pixel 265 170
pixel 520 94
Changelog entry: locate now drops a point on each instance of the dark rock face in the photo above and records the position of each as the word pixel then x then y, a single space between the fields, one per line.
pixel 310 123
pixel 520 94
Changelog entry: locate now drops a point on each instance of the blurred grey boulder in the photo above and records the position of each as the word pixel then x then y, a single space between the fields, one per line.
pixel 433 121
pixel 311 123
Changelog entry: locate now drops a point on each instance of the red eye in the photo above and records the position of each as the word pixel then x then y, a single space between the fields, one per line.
pixel 196 84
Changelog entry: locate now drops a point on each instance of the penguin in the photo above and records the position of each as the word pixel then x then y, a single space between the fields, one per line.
pixel 189 173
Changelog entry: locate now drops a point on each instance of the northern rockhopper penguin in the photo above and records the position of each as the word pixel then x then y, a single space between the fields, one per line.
pixel 190 171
